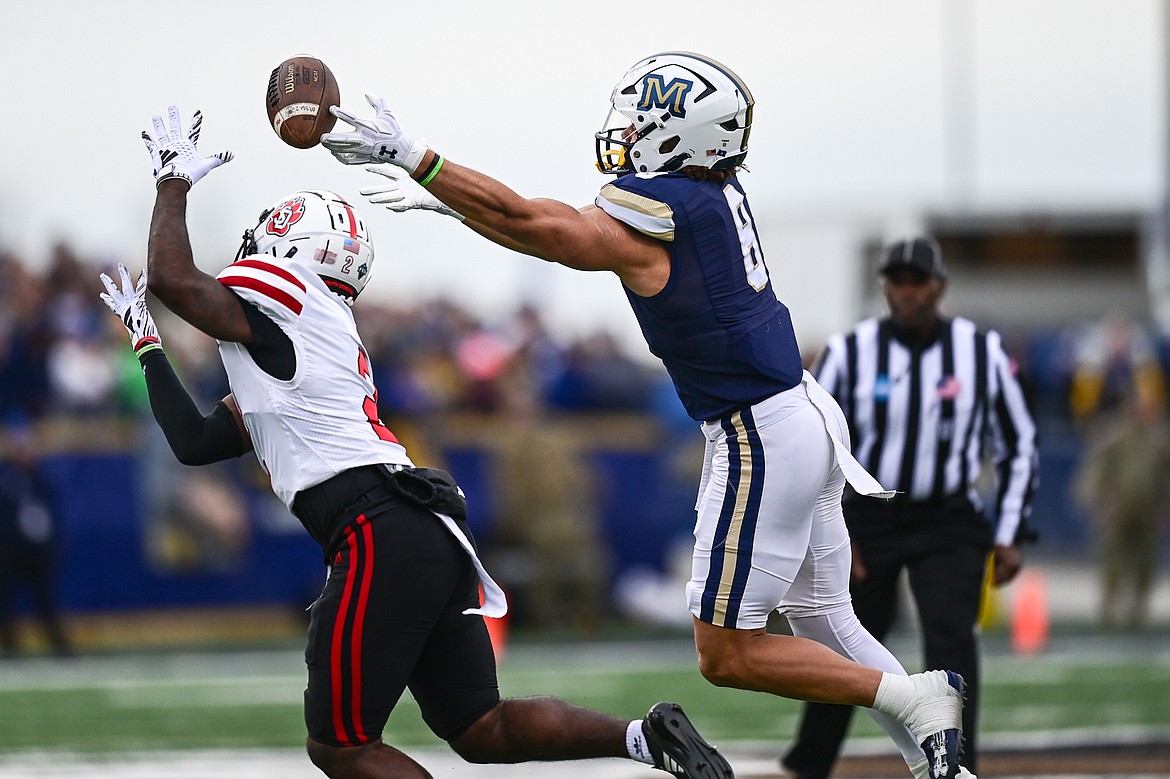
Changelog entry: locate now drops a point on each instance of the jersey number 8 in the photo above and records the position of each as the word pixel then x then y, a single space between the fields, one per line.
pixel 749 239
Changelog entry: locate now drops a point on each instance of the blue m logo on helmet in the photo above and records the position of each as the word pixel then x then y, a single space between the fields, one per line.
pixel 656 93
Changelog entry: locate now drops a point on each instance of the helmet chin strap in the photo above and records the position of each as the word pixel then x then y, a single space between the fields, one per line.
pixel 675 162
pixel 653 122
pixel 248 246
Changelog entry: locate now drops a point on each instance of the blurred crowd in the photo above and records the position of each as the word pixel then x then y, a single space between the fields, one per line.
pixel 61 353
pixel 63 357
pixel 65 361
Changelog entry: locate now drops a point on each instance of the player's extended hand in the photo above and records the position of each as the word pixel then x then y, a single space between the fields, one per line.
pixel 175 156
pixel 129 305
pixel 379 139
pixel 402 193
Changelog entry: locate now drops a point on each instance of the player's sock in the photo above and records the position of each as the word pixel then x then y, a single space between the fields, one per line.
pixel 894 695
pixel 636 743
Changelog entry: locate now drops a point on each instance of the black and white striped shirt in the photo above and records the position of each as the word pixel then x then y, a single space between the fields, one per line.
pixel 921 416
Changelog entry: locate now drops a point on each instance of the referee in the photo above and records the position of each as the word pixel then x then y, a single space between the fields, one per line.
pixel 925 397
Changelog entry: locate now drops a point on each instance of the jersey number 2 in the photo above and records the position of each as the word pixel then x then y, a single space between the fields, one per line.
pixel 370 404
pixel 749 239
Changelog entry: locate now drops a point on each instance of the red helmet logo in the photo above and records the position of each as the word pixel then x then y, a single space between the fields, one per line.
pixel 284 216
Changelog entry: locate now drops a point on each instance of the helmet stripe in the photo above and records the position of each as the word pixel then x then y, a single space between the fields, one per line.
pixel 352 220
pixel 747 93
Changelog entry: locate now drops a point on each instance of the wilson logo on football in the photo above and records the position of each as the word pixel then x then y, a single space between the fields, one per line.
pixel 285 216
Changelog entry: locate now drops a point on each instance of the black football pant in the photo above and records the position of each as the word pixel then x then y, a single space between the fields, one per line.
pixel 946 577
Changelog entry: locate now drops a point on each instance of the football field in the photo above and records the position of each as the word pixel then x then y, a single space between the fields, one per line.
pixel 1084 707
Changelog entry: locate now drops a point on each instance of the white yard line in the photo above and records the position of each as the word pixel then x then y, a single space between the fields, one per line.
pixel 285 764
pixel 282 764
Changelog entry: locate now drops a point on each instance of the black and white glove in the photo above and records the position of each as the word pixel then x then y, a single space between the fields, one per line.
pixel 403 193
pixel 175 156
pixel 379 139
pixel 129 305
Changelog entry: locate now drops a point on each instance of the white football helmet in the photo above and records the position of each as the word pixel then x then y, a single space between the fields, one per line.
pixel 673 110
pixel 320 231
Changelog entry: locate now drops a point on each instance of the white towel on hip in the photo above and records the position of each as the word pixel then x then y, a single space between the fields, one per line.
pixel 858 478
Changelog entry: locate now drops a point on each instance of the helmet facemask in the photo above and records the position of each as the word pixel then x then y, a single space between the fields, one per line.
pixel 320 231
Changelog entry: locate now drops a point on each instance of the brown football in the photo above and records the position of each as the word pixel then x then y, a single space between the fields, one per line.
pixel 300 91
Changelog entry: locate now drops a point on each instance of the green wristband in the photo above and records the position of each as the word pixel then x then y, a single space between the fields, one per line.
pixel 146 345
pixel 435 168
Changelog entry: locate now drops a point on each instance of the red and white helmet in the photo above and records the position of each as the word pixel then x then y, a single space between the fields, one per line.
pixel 674 110
pixel 320 231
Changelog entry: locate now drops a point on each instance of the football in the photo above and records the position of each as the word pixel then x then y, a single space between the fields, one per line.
pixel 300 91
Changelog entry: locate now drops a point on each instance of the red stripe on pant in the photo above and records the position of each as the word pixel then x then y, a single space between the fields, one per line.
pixel 356 595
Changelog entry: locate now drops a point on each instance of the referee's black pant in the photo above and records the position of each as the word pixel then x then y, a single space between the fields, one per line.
pixel 943 546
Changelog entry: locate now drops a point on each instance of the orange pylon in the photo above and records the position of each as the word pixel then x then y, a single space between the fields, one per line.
pixel 1030 614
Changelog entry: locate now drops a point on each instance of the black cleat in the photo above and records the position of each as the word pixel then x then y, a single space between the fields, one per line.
pixel 678 748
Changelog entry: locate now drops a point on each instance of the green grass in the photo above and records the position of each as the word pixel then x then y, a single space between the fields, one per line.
pixel 88 720
pixel 243 700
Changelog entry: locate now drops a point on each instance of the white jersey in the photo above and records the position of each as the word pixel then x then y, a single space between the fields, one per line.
pixel 323 420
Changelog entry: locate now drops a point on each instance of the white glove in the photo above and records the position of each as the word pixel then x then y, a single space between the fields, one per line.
pixel 404 193
pixel 377 140
pixel 129 304
pixel 176 157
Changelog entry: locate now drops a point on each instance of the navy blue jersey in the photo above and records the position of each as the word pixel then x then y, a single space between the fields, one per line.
pixel 717 326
